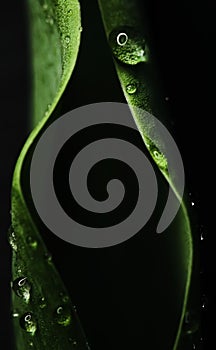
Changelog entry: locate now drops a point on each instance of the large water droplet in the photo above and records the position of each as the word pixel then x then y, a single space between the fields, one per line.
pixel 22 288
pixel 63 316
pixel 128 45
pixel 131 88
pixel 191 322
pixel 12 240
pixel 28 323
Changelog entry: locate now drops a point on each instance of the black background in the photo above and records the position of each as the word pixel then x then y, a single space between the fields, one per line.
pixel 184 37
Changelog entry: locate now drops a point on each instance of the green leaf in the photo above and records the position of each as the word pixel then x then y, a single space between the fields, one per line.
pixel 43 315
pixel 128 36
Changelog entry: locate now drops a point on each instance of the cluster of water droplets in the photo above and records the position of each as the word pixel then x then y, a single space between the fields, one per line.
pixel 128 45
pixel 49 18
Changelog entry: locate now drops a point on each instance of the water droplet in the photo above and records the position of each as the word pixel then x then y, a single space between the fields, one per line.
pixel 204 302
pixel 31 343
pixel 15 314
pixel 192 204
pixel 28 323
pixel 128 45
pixel 202 233
pixel 67 39
pixel 32 242
pixel 69 11
pixel 88 346
pixel 49 20
pixel 45 6
pixel 63 316
pixel 191 322
pixel 131 88
pixel 48 257
pixel 80 29
pixel 64 297
pixel 167 98
pixel 12 240
pixel 42 303
pixel 74 342
pixel 22 288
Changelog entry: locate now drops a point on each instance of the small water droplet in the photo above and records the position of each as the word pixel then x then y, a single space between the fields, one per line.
pixel 42 303
pixel 69 11
pixel 28 323
pixel 22 288
pixel 50 20
pixel 64 297
pixel 71 340
pixel 128 45
pixel 45 6
pixel 67 39
pixel 48 257
pixel 15 314
pixel 191 322
pixel 202 233
pixel 167 98
pixel 63 316
pixel 88 346
pixel 32 242
pixel 192 203
pixel 80 29
pixel 131 88
pixel 12 240
pixel 204 302
pixel 31 343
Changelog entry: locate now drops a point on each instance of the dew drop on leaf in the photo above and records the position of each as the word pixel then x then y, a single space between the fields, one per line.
pixel 63 316
pixel 32 242
pixel 12 240
pixel 67 39
pixel 42 303
pixel 72 341
pixel 28 323
pixel 48 257
pixel 128 45
pixel 64 297
pixel 15 314
pixel 131 88
pixel 22 288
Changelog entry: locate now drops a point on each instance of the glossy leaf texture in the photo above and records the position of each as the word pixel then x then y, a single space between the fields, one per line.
pixel 43 314
pixel 130 43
